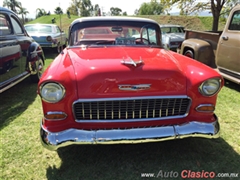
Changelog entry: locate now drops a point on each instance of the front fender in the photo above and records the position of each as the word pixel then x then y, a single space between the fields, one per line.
pixel 201 49
pixel 35 50
pixel 33 54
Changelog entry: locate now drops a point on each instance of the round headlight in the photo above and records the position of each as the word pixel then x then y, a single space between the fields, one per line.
pixel 49 38
pixel 52 92
pixel 210 87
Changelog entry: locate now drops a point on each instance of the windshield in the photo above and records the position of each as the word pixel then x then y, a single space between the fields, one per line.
pixel 115 33
pixel 39 28
pixel 172 30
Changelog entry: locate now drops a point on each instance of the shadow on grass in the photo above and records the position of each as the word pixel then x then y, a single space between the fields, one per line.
pixel 105 162
pixel 16 100
pixel 50 53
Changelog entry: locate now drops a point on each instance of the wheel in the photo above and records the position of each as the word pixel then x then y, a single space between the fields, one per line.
pixel 58 48
pixel 38 69
pixel 189 53
pixel 142 40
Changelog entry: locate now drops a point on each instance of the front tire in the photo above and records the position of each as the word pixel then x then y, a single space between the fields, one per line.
pixel 189 53
pixel 39 68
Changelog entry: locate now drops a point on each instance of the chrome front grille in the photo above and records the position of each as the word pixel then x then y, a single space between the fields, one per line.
pixel 131 109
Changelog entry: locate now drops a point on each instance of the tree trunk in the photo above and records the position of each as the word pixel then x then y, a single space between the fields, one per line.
pixel 216 10
pixel 215 22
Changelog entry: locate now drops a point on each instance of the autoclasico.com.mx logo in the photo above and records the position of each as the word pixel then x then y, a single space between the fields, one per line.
pixel 187 174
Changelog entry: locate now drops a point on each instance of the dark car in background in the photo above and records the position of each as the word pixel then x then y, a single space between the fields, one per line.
pixel 20 55
pixel 47 35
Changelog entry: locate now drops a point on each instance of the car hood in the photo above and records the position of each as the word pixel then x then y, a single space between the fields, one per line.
pixel 112 71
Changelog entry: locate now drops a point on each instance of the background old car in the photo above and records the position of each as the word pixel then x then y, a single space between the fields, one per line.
pixel 20 55
pixel 47 35
pixel 172 35
pixel 108 88
pixel 217 49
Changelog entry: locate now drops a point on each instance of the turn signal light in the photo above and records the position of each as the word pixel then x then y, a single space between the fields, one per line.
pixel 205 108
pixel 53 116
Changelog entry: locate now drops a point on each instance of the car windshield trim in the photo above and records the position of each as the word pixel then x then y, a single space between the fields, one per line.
pixel 115 33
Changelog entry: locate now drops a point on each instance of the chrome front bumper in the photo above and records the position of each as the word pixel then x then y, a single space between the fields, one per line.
pixel 53 141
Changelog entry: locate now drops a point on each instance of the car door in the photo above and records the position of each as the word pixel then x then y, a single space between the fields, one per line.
pixel 228 51
pixel 10 56
pixel 14 44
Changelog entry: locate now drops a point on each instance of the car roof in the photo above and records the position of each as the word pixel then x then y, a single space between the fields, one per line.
pixel 6 10
pixel 112 18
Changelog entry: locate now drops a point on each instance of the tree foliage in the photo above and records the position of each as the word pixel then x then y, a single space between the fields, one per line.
pixel 14 5
pixel 58 10
pixel 86 8
pixel 40 12
pixel 23 11
pixel 187 7
pixel 152 8
pixel 115 11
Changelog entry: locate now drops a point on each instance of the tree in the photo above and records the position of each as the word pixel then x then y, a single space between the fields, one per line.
pixel 124 13
pixel 86 8
pixel 58 10
pixel 74 8
pixel 136 12
pixel 97 10
pixel 23 11
pixel 12 4
pixel 115 11
pixel 40 12
pixel 151 8
pixel 82 7
pixel 217 7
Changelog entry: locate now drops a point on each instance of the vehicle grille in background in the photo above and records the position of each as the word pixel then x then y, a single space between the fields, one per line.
pixel 130 109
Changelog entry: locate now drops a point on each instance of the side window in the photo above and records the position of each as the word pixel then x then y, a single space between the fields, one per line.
pixel 235 22
pixel 5 28
pixel 17 27
pixel 58 30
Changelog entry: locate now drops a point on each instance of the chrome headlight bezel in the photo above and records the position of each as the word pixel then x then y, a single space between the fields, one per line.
pixel 210 87
pixel 52 92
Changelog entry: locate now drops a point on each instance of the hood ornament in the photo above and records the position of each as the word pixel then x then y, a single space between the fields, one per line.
pixel 132 62
pixel 138 87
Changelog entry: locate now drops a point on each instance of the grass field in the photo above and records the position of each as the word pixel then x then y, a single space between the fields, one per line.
pixel 24 158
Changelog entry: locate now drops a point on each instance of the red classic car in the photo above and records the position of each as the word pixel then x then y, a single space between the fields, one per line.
pixel 118 88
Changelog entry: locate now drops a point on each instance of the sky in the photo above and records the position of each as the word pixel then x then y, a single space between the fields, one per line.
pixel 50 5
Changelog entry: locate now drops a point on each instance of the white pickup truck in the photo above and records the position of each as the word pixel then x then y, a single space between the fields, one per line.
pixel 220 50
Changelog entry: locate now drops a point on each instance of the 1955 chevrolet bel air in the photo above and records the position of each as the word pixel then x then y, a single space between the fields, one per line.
pixel 109 86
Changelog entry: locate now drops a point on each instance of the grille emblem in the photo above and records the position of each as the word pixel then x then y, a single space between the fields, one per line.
pixel 128 87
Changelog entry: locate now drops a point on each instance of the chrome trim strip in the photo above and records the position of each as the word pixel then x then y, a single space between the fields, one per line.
pixel 55 112
pixel 136 87
pixel 13 81
pixel 228 70
pixel 201 105
pixel 55 140
pixel 131 98
pixel 131 120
